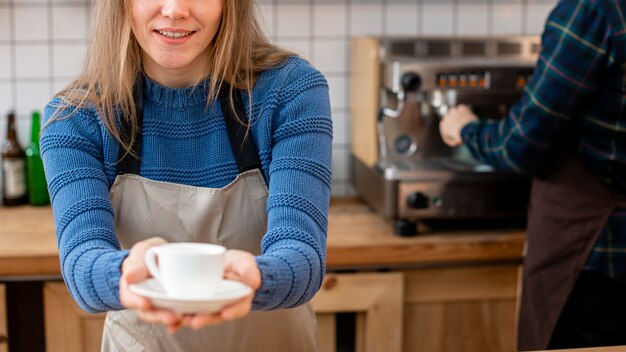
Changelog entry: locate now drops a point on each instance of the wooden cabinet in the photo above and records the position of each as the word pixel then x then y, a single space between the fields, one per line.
pixel 69 328
pixel 4 335
pixel 430 309
pixel 376 298
pixel 461 309
pixel 466 308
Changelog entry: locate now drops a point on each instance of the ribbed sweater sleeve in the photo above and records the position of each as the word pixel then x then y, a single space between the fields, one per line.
pixel 294 248
pixel 90 254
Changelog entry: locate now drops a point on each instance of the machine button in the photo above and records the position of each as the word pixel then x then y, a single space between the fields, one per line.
pixel 473 80
pixel 463 80
pixel 411 81
pixel 521 81
pixel 452 80
pixel 442 80
pixel 403 144
pixel 418 200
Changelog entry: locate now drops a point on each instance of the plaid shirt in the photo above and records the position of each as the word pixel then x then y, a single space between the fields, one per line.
pixel 579 84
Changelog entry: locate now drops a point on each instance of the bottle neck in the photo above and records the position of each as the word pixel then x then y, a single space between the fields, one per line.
pixel 11 134
pixel 36 128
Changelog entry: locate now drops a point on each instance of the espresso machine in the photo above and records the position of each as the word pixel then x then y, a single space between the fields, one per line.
pixel 400 90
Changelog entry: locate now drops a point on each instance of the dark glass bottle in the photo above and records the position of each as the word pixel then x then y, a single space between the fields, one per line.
pixel 13 167
pixel 35 177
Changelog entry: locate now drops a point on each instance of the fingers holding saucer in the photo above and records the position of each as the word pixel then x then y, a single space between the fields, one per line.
pixel 158 316
pixel 199 321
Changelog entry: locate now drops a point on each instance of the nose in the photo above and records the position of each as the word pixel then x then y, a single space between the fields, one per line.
pixel 175 9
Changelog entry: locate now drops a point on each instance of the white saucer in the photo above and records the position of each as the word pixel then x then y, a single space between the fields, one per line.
pixel 228 292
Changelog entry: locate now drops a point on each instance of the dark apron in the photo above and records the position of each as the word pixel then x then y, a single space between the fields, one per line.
pixel 568 209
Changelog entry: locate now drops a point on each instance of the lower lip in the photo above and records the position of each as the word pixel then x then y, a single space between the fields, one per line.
pixel 174 40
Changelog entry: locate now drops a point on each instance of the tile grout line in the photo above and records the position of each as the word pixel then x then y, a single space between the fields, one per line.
pixel 455 18
pixel 13 53
pixel 490 9
pixel 311 36
pixel 51 61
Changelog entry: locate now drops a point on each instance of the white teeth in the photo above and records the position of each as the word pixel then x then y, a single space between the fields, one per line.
pixel 174 35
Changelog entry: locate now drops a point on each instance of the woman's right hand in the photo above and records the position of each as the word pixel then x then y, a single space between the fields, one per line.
pixel 453 122
pixel 134 270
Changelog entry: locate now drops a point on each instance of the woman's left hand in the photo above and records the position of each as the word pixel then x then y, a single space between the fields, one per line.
pixel 240 266
pixel 451 125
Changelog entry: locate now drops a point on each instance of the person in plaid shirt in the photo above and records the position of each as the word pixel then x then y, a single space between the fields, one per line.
pixel 575 268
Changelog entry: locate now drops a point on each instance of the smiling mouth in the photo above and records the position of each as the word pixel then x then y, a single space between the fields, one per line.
pixel 174 35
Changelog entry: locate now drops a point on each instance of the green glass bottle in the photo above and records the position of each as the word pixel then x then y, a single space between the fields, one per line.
pixel 35 177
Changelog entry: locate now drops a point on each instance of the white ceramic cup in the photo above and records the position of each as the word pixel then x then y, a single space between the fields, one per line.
pixel 187 270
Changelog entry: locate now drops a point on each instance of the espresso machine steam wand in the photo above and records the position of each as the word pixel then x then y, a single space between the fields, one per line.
pixel 410 82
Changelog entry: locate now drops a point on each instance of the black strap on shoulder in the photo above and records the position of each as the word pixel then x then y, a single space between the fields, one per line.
pixel 240 137
pixel 243 146
pixel 128 163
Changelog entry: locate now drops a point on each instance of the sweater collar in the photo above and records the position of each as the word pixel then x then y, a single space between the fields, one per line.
pixel 176 97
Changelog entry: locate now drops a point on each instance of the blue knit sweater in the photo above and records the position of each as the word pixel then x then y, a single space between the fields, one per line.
pixel 186 143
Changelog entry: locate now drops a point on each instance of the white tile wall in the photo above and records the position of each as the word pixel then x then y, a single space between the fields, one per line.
pixel 5 25
pixel 366 18
pixel 438 19
pixel 32 61
pixel 293 21
pixel 75 24
pixel 507 18
pixel 473 19
pixel 42 43
pixel 402 19
pixel 330 20
pixel 6 65
pixel 31 23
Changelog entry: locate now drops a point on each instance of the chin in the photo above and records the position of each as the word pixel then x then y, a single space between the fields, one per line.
pixel 174 64
pixel 172 60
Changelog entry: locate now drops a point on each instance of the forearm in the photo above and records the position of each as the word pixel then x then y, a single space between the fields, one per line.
pixel 290 275
pixel 569 70
pixel 92 276
pixel 293 260
pixel 89 250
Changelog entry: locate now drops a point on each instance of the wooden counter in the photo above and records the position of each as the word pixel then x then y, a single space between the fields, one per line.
pixel 591 349
pixel 407 293
pixel 356 237
pixel 27 242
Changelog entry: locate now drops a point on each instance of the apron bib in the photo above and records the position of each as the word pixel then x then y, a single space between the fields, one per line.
pixel 567 211
pixel 233 216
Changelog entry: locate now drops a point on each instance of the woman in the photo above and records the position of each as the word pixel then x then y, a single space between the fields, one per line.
pixel 182 119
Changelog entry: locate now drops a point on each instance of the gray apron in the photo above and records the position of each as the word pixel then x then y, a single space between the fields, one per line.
pixel 233 216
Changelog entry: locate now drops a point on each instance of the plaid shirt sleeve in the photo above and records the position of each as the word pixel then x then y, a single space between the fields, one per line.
pixel 572 62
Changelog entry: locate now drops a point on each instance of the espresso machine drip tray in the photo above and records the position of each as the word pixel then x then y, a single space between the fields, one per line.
pixel 427 168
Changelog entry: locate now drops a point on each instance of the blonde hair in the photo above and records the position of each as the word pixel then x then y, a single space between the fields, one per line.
pixel 238 54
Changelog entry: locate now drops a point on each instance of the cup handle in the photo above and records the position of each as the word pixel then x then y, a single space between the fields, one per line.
pixel 150 260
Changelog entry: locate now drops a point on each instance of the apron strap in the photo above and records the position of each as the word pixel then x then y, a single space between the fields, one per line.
pixel 128 163
pixel 241 140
